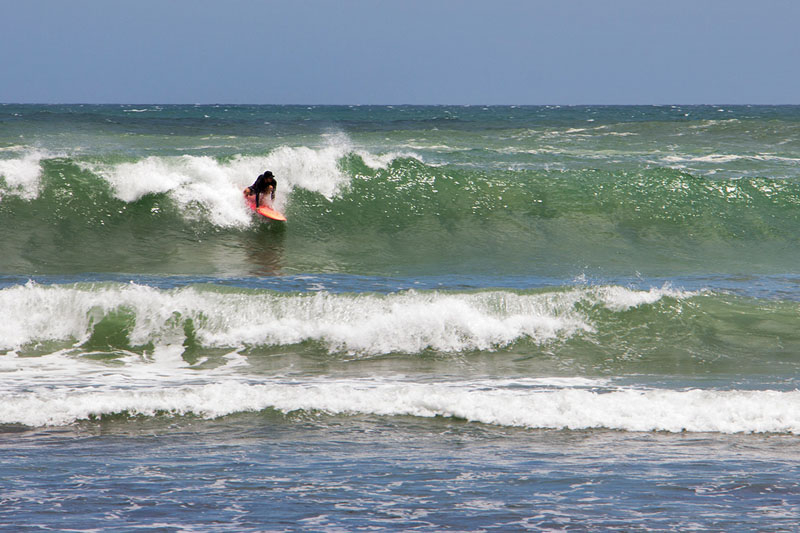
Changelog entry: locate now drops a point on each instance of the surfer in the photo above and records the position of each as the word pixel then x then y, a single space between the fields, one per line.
pixel 264 184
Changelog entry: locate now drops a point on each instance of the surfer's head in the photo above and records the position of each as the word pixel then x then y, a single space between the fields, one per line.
pixel 268 174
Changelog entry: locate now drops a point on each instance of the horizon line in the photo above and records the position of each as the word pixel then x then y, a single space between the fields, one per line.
pixel 405 105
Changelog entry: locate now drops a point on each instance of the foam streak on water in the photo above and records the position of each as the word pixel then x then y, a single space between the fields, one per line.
pixel 520 406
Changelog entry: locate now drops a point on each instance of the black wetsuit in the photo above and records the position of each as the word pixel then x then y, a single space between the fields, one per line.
pixel 261 184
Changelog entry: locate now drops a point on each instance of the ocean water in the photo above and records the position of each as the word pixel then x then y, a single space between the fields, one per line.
pixel 475 318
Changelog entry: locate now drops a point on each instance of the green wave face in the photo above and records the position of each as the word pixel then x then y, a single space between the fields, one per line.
pixel 406 217
pixel 662 220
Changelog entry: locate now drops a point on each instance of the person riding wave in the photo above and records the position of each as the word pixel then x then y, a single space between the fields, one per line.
pixel 264 184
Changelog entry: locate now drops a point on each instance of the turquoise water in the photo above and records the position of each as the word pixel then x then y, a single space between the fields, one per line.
pixel 474 318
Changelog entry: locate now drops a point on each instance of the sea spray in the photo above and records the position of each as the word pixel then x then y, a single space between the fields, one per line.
pixel 21 175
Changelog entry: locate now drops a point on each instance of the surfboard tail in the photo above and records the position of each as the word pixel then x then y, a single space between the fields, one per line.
pixel 267 212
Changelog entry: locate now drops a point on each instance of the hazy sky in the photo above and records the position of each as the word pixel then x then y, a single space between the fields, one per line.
pixel 400 52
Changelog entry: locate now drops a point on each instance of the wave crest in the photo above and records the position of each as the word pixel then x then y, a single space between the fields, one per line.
pixel 365 324
pixel 22 175
pixel 521 405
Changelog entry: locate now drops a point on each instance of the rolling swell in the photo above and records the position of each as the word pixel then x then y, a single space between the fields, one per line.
pixel 350 211
pixel 602 330
pixel 662 199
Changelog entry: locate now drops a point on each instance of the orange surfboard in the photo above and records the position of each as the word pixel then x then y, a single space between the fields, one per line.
pixel 267 211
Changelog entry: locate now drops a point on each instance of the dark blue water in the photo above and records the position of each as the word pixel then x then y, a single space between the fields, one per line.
pixel 322 473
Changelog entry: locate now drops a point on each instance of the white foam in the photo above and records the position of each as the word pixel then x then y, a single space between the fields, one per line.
pixel 202 181
pixel 215 186
pixel 710 123
pixel 384 160
pixel 563 408
pixel 621 134
pixel 13 148
pixel 727 158
pixel 22 175
pixel 416 145
pixel 365 324
pixel 773 157
pixel 618 298
pixel 709 158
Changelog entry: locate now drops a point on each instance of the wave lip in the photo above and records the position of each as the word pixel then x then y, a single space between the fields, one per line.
pixel 22 175
pixel 215 185
pixel 528 407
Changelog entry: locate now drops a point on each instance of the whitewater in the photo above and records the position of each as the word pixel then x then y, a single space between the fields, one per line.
pixel 499 317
